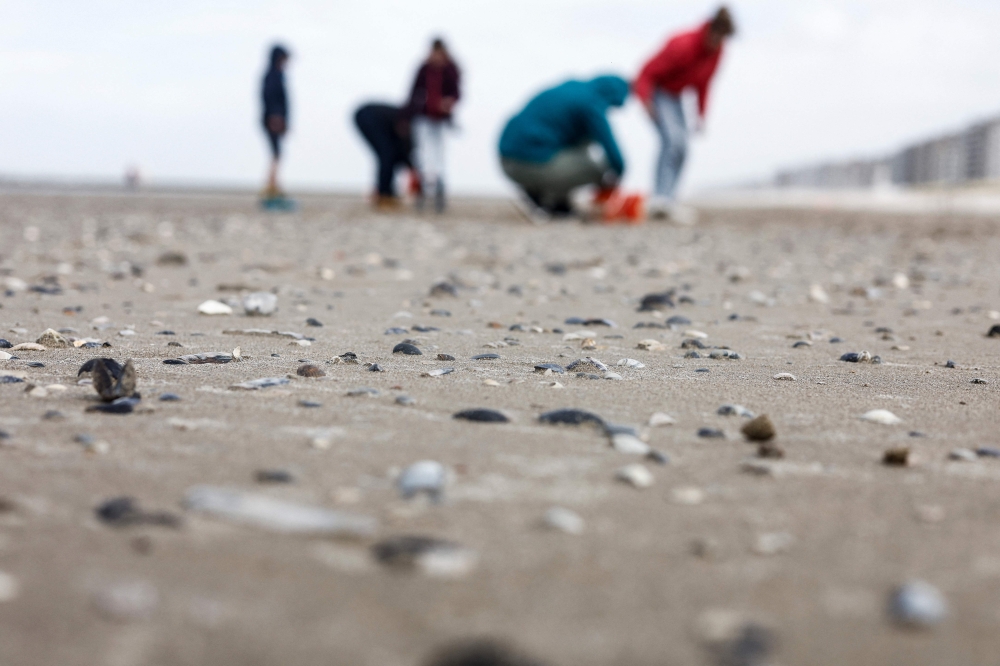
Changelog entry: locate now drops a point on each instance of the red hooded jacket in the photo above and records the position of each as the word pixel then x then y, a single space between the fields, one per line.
pixel 685 62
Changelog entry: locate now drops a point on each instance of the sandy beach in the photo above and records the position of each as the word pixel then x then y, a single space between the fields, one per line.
pixel 803 551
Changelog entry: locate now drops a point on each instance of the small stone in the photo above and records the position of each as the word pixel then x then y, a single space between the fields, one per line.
pixel 760 429
pixel 635 475
pixel 438 372
pixel 431 556
pixel 818 295
pixel 211 307
pixel 310 404
pixel 445 357
pixel 963 455
pixel 688 495
pixel 405 400
pixel 490 382
pixel 4 356
pixel 660 419
pixel 51 339
pixel 979 380
pixel 994 331
pixel 711 433
pixel 9 587
pixel 659 457
pixel 857 357
pixel 396 330
pixel 125 512
pixel 407 348
pixel 631 363
pixel 169 397
pixel 629 444
pixel 802 343
pixel 988 452
pixel 5 344
pixel 651 345
pixel 678 320
pixel 273 476
pixel 881 416
pixel 482 416
pixel 564 520
pixel 127 601
pixel 614 376
pixel 724 353
pixel 653 302
pixel 587 363
pixel 571 417
pixel 310 370
pixel 899 457
pixel 314 322
pixel 734 410
pixel 917 605
pixel 375 367
pixel 693 343
pixel 486 357
pixel 260 304
pixel 27 346
pixel 784 377
pixel 257 384
pixel 550 368
pixel 773 543
pixel 364 391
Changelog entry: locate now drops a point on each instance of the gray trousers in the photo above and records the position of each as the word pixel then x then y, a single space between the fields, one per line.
pixel 550 183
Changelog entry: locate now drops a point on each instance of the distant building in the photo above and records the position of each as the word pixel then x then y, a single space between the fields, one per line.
pixel 970 156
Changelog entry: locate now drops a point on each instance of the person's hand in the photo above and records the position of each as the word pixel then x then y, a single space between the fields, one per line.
pixel 276 124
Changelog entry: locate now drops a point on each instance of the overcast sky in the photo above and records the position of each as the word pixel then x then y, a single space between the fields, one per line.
pixel 87 88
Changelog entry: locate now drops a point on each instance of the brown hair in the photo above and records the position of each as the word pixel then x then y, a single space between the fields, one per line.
pixel 722 23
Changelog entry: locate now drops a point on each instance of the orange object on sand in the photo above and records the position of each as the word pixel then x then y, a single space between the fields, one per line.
pixel 618 208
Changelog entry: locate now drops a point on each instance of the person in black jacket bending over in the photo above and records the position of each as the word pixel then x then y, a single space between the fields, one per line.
pixel 275 100
pixel 387 130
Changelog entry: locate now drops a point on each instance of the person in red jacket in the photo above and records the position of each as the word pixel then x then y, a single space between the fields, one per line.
pixel 688 61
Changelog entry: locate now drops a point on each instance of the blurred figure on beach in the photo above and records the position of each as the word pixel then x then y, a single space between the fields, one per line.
pixel 687 62
pixel 562 140
pixel 275 99
pixel 387 129
pixel 436 90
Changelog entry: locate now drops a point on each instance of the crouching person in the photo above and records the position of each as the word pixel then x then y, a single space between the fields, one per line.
pixel 387 130
pixel 562 141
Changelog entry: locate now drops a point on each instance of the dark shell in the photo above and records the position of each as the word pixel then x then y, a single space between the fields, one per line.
pixel 994 332
pixel 851 357
pixel 273 476
pixel 693 343
pixel 650 324
pixel 554 367
pixel 110 364
pixel 310 370
pixel 314 322
pixel 571 417
pixel 426 329
pixel 120 406
pixel 396 330
pixel 481 653
pixel 445 357
pixel 165 333
pixel 801 343
pixel 125 511
pixel 169 397
pixel 657 301
pixel 678 320
pixel 444 289
pixel 440 313
pixel 375 367
pixel 711 433
pixel 407 348
pixel 482 415
pixel 112 381
pixel 485 357
pixel 404 551
pixel 10 379
pixel 5 344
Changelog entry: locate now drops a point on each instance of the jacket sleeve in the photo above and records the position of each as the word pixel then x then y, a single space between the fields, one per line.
pixel 418 93
pixel 275 99
pixel 703 88
pixel 600 131
pixel 673 58
pixel 452 86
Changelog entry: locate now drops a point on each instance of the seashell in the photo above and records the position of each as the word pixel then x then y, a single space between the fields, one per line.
pixel 310 370
pixel 407 348
pixel 571 417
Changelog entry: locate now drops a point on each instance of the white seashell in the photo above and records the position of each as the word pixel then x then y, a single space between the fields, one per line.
pixel 882 417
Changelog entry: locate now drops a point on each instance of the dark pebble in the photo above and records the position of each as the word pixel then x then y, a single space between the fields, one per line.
pixel 485 357
pixel 125 512
pixel 554 367
pixel 426 329
pixel 445 357
pixel 883 329
pixel 309 404
pixel 375 367
pixel 686 300
pixel 173 343
pixel 693 354
pixel 169 397
pixel 711 433
pixel 404 551
pixel 84 438
pixel 310 370
pixel 917 433
pixel 733 317
pixel 571 417
pixel 444 289
pixel 396 330
pixel 166 333
pixel 587 375
pixel 702 370
pixel 4 434
pixel 120 406
pixel 440 313
pixel 314 322
pixel 994 332
pixel 407 348
pixel 950 364
pixel 482 415
pixel 53 415
pixel 36 364
pixel 657 301
pixel 8 379
pixel 678 320
pixel 693 343
pixel 482 652
pixel 836 340
pixel 275 355
pixel 650 324
pixel 5 344
pixel 851 357
pixel 174 361
pixel 659 457
pixel 979 380
pixel 575 321
pixel 800 344
pixel 988 452
pixel 273 476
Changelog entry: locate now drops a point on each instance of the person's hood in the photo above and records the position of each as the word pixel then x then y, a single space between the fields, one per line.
pixel 612 89
pixel 278 53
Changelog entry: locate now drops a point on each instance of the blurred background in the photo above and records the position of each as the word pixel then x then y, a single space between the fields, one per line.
pixel 88 89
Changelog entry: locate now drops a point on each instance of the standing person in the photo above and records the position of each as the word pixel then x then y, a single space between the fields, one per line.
pixel 688 61
pixel 562 140
pixel 387 130
pixel 435 92
pixel 275 100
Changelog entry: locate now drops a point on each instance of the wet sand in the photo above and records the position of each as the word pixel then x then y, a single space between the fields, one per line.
pixel 656 576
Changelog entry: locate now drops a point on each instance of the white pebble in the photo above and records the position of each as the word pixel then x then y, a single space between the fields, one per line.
pixel 882 417
pixel 785 377
pixel 636 475
pixel 772 543
pixel 688 495
pixel 918 604
pixel 660 419
pixel 564 520
pixel 214 308
pixel 625 443
pixel 9 587
pixel 127 602
pixel 632 363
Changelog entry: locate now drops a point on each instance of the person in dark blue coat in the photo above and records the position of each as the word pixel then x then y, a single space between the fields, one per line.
pixel 386 128
pixel 562 140
pixel 275 99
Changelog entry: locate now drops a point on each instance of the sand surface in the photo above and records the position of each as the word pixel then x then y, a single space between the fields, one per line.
pixel 657 575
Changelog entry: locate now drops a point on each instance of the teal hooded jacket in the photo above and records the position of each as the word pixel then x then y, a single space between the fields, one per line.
pixel 569 115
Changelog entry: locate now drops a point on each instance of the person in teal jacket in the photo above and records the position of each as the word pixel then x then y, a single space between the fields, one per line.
pixel 562 140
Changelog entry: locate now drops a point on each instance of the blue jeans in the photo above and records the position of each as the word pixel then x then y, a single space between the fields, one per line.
pixel 673 131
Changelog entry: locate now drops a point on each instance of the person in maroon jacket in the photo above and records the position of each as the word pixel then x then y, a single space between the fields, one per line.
pixel 436 90
pixel 688 61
